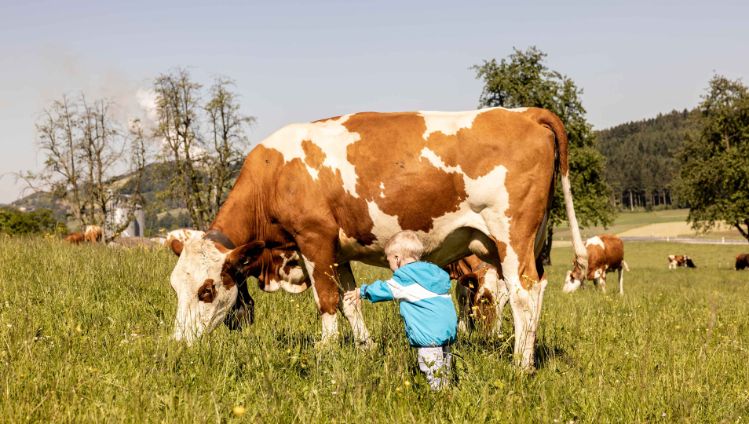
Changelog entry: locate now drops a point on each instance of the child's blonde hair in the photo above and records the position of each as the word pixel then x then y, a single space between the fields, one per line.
pixel 405 244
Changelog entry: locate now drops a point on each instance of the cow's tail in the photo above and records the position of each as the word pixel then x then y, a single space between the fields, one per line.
pixel 552 121
pixel 625 266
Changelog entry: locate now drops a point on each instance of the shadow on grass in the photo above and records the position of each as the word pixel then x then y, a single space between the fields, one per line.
pixel 545 353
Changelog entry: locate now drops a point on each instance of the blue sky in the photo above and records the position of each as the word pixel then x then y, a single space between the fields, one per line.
pixel 303 60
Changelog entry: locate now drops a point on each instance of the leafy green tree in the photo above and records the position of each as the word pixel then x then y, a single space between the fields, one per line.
pixel 524 80
pixel 714 177
pixel 16 222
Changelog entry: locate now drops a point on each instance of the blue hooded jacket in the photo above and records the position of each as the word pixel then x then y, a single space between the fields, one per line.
pixel 426 306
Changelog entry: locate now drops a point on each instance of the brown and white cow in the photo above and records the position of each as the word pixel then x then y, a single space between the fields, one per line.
pixel 680 261
pixel 742 261
pixel 477 182
pixel 605 253
pixel 478 286
pixel 93 233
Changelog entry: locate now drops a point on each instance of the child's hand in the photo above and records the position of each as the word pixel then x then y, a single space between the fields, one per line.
pixel 352 296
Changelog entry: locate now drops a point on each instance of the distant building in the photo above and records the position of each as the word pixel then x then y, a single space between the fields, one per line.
pixel 119 215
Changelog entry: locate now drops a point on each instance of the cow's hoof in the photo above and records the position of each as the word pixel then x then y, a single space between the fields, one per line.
pixel 366 345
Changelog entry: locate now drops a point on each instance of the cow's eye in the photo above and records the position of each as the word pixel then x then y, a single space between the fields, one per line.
pixel 206 292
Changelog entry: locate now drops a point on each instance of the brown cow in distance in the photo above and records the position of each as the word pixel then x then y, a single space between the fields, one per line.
pixel 91 234
pixel 481 294
pixel 336 190
pixel 75 238
pixel 742 261
pixel 605 253
pixel 680 261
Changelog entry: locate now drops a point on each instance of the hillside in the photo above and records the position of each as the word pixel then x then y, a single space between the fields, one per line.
pixel 641 157
pixel 161 210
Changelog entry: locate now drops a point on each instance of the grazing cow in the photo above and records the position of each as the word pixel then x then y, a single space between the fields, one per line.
pixel 335 190
pixel 605 253
pixel 742 261
pixel 75 238
pixel 91 234
pixel 680 261
pixel 478 282
pixel 176 239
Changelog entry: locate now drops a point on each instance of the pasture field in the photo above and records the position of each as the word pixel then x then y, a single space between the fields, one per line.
pixel 662 223
pixel 85 337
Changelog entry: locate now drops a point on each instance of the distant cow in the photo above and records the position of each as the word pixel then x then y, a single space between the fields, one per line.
pixel 481 294
pixel 605 253
pixel 680 261
pixel 176 239
pixel 93 233
pixel 75 238
pixel 742 261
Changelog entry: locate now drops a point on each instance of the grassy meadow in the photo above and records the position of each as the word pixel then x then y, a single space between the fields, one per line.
pixel 85 337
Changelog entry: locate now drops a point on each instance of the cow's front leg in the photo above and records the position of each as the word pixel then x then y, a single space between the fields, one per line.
pixel 318 255
pixel 351 310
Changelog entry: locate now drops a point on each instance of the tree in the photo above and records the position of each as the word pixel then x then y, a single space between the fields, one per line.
pixel 524 80
pixel 83 148
pixel 204 165
pixel 714 177
pixel 16 222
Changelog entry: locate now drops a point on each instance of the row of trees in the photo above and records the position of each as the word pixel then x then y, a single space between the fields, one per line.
pixel 643 158
pixel 93 162
pixel 17 222
pixel 701 158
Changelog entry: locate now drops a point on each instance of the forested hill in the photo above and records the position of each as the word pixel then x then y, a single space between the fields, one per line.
pixel 641 157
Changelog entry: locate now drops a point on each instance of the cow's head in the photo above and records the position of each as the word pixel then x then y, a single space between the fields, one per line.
pixel 207 276
pixel 574 278
pixel 480 301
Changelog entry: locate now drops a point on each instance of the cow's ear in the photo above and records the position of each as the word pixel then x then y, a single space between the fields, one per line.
pixel 243 256
pixel 470 281
pixel 177 247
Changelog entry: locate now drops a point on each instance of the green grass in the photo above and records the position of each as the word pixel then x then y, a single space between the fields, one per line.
pixel 85 336
pixel 626 221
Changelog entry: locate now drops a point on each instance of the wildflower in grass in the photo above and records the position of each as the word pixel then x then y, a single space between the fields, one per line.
pixel 238 410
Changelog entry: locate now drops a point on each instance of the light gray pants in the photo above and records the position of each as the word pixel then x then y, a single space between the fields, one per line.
pixel 435 363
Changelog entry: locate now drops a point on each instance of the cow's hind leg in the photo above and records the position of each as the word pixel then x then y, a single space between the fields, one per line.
pixel 621 281
pixel 526 292
pixel 350 310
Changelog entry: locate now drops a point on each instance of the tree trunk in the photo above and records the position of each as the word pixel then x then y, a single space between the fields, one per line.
pixel 744 232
